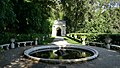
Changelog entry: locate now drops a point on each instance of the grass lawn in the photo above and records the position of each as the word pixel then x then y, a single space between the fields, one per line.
pixel 71 41
pixel 47 41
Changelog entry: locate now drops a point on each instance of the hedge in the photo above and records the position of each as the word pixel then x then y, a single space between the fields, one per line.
pixel 98 37
pixel 5 37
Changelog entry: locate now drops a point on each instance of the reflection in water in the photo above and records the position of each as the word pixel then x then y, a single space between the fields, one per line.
pixel 62 54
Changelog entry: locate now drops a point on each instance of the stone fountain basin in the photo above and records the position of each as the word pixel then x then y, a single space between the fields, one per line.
pixel 46 47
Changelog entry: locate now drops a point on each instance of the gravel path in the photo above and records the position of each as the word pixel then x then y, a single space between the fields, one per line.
pixel 14 59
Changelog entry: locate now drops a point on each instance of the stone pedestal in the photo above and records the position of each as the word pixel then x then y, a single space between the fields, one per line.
pixel 83 39
pixel 12 43
pixel 108 40
pixel 36 41
pixel 83 42
pixel 108 46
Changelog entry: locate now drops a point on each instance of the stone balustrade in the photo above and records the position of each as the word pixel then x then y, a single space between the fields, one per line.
pixel 5 46
pixel 115 47
pixel 24 43
pixel 99 44
pixel 18 44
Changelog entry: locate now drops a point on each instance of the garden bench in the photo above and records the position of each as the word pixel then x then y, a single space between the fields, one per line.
pixel 115 47
pixel 24 43
pixel 30 42
pixel 5 46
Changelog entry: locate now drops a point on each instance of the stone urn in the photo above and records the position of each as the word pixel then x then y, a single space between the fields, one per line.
pixel 83 39
pixel 36 41
pixel 75 36
pixel 12 43
pixel 108 40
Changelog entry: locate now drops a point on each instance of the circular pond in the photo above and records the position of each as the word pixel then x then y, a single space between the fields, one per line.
pixel 60 54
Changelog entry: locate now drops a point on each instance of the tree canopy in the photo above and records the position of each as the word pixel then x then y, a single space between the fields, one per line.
pixel 91 16
pixel 37 16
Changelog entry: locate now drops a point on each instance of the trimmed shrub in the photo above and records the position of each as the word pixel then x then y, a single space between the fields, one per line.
pixel 99 37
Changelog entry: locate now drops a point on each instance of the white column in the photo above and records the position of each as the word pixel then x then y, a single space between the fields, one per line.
pixel 53 31
pixel 36 41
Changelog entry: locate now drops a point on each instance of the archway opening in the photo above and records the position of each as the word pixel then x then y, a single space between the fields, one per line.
pixel 58 31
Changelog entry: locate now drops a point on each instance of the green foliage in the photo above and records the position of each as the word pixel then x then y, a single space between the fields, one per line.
pixel 5 38
pixel 25 20
pixel 71 40
pixel 103 21
pixel 25 16
pixel 7 16
pixel 37 16
pixel 32 16
pixel 89 16
pixel 47 40
pixel 74 14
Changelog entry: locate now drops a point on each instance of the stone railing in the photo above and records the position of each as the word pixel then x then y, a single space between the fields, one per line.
pixel 16 44
pixel 98 44
pixel 115 47
pixel 24 43
pixel 5 46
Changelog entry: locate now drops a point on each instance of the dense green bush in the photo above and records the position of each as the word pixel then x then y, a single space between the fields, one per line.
pixel 5 37
pixel 115 38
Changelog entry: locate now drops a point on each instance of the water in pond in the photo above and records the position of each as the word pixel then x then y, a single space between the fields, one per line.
pixel 62 54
